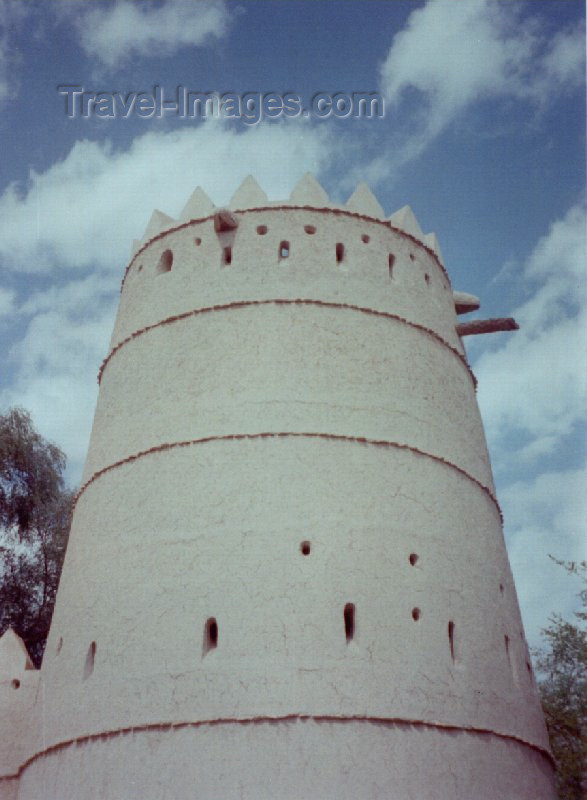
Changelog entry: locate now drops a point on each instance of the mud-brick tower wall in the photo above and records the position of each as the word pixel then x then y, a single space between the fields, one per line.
pixel 286 576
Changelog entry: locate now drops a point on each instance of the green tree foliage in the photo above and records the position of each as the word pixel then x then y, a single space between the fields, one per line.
pixel 562 669
pixel 35 510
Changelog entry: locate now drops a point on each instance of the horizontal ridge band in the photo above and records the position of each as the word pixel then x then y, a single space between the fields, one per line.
pixel 284 302
pixel 290 434
pixel 319 718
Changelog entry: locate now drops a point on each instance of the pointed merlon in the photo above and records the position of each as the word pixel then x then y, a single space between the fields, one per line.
pixel 159 222
pixel 465 302
pixel 14 657
pixel 405 220
pixel 224 220
pixel 432 242
pixel 364 201
pixel 199 205
pixel 248 195
pixel 308 192
pixel 476 326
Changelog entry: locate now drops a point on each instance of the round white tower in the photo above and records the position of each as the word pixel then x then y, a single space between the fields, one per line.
pixel 286 575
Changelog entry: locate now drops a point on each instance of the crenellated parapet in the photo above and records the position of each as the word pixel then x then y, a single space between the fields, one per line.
pixel 224 238
pixel 305 247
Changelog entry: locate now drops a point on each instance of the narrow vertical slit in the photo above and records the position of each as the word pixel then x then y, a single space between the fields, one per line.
pixel 227 256
pixel 210 634
pixel 339 253
pixel 451 639
pixel 349 621
pixel 90 658
pixel 506 643
pixel 390 263
pixel 283 250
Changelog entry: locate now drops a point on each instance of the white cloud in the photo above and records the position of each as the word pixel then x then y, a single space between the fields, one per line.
pixel 532 394
pixel 565 56
pixel 546 516
pixel 560 252
pixel 454 54
pixel 66 336
pixel 119 31
pixel 85 210
pixel 57 362
pixel 540 370
pixel 535 384
pixel 79 297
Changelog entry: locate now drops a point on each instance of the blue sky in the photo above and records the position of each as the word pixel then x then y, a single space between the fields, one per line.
pixel 483 136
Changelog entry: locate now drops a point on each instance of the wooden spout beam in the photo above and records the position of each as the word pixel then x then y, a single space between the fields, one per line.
pixel 476 326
